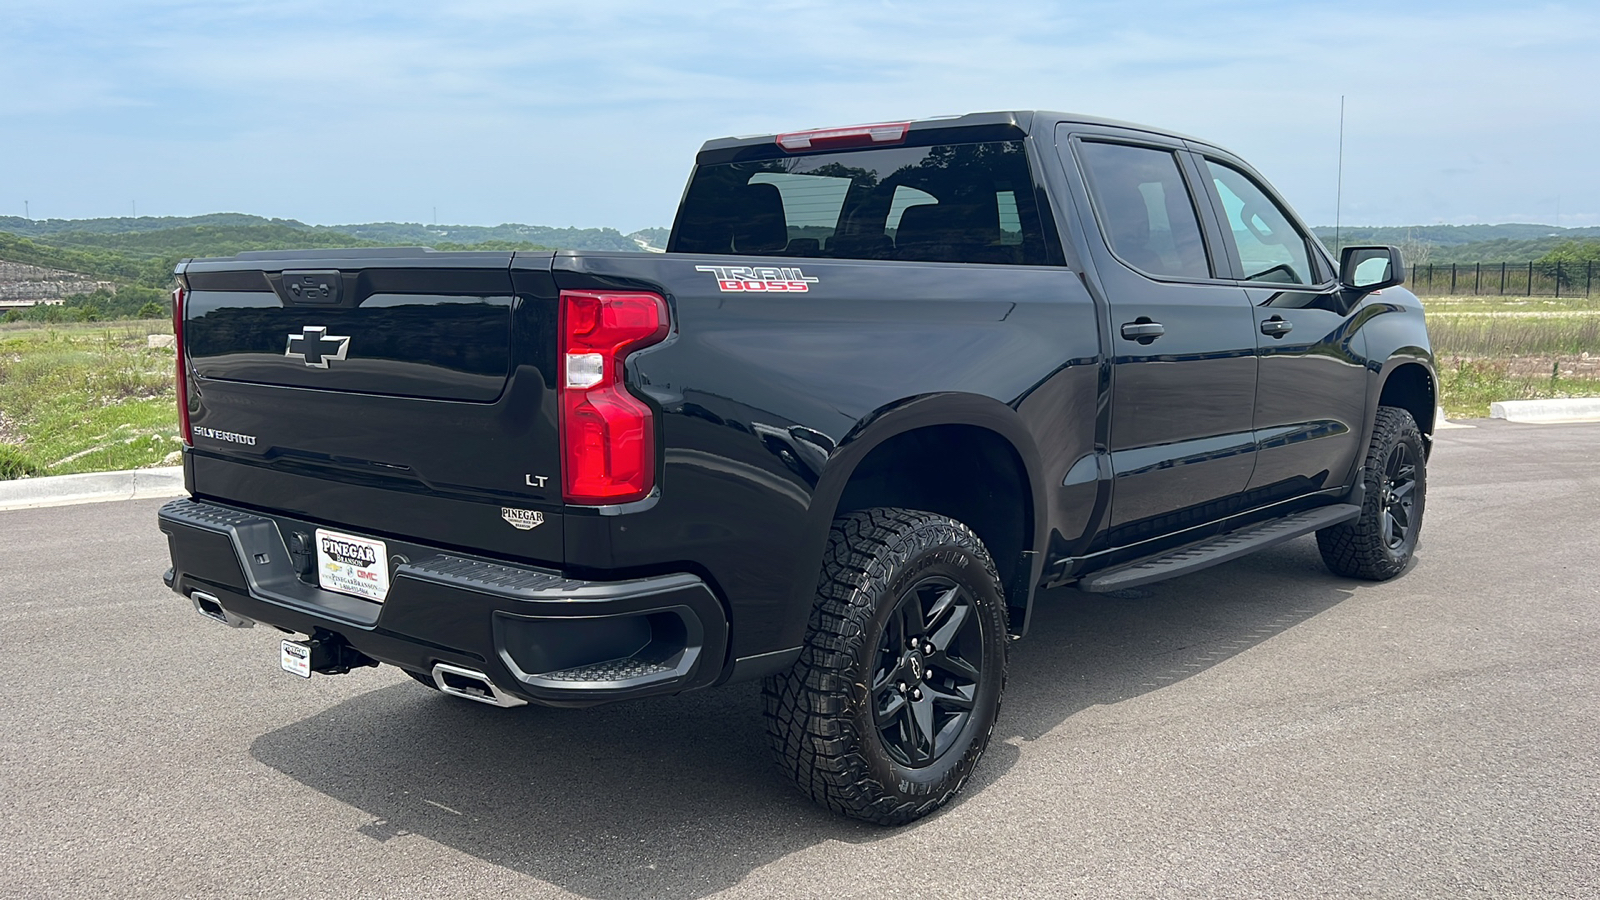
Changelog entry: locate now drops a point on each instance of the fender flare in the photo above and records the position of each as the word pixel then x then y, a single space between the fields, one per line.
pixel 900 417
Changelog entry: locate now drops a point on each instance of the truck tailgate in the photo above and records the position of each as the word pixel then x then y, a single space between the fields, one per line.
pixel 400 392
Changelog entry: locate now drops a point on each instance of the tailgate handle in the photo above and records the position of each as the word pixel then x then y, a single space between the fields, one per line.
pixel 320 286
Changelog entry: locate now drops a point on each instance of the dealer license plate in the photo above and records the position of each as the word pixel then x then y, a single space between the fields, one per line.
pixel 352 565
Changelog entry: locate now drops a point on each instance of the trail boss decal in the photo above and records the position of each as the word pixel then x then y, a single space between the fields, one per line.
pixel 758 279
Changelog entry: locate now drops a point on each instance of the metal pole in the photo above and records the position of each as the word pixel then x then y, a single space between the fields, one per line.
pixel 1477 277
pixel 1530 278
pixel 1502 279
pixel 1338 197
pixel 1558 279
pixel 1588 277
pixel 1452 279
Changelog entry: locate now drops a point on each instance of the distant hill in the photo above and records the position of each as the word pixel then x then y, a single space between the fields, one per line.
pixel 37 228
pixel 411 234
pixel 655 237
pixel 1453 235
pixel 1514 243
pixel 142 251
pixel 205 240
pixel 303 236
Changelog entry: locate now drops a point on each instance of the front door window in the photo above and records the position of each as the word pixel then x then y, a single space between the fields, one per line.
pixel 1267 246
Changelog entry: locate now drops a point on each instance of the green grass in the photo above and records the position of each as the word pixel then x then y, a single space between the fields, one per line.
pixel 92 397
pixel 1509 306
pixel 1513 348
pixel 1468 386
pixel 84 398
pixel 1494 336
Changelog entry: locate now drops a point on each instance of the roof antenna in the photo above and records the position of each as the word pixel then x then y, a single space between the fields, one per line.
pixel 1338 197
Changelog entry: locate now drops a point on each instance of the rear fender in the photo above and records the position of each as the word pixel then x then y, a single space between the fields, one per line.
pixel 910 414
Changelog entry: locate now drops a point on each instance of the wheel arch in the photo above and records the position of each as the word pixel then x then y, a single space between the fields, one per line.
pixel 1410 385
pixel 962 455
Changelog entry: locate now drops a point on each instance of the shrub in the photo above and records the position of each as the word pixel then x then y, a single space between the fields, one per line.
pixel 13 464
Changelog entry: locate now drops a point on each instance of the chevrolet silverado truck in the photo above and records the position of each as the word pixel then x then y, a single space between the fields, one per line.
pixel 886 384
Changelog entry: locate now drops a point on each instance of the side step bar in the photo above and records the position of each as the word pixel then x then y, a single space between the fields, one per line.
pixel 1219 549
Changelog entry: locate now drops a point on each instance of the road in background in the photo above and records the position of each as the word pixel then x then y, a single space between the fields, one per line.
pixel 1258 729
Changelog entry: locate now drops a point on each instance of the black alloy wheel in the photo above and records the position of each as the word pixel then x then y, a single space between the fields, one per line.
pixel 896 692
pixel 930 663
pixel 1399 496
pixel 1379 543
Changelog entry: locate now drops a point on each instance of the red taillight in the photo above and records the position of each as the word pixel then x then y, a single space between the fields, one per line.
pixel 183 374
pixel 607 434
pixel 852 136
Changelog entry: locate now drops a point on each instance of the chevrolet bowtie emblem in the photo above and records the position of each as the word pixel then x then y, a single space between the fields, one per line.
pixel 316 346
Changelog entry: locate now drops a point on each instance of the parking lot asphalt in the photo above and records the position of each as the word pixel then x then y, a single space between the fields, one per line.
pixel 1260 729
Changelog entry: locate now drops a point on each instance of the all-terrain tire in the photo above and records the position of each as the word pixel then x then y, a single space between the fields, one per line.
pixel 1378 544
pixel 873 721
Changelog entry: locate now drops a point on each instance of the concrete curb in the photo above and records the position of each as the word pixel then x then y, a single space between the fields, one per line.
pixel 92 487
pixel 144 484
pixel 1547 412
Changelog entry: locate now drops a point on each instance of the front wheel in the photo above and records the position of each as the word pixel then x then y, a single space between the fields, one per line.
pixel 1378 544
pixel 897 689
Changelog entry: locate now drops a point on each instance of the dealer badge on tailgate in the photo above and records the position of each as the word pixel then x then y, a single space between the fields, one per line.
pixel 352 565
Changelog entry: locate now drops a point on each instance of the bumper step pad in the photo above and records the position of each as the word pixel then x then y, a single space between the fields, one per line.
pixel 613 670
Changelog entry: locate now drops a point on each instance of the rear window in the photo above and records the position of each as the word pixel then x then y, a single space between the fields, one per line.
pixel 966 203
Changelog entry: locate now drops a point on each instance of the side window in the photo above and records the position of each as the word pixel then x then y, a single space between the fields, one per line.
pixel 1268 246
pixel 1145 209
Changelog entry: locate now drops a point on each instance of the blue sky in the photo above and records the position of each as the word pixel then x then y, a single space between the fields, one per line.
pixel 589 113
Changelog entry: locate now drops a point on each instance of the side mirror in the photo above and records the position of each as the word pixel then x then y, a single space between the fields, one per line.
pixel 1371 268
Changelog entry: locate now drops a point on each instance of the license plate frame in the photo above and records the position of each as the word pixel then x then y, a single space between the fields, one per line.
pixel 352 564
pixel 295 658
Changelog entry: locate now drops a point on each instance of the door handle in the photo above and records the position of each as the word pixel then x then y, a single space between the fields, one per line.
pixel 1276 327
pixel 1143 330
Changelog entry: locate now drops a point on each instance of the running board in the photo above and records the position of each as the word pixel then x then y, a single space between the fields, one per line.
pixel 1216 550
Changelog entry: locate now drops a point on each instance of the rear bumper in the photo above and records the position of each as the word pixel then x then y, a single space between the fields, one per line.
pixel 535 633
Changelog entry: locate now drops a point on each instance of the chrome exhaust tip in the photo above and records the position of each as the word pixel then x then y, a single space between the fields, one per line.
pixel 472 685
pixel 210 607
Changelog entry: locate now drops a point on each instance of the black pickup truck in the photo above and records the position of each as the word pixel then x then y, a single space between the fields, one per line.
pixel 886 383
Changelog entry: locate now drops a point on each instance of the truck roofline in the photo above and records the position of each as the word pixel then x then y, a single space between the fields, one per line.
pixel 724 149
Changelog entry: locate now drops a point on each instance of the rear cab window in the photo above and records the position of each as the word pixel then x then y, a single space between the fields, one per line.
pixel 1145 209
pixel 958 202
